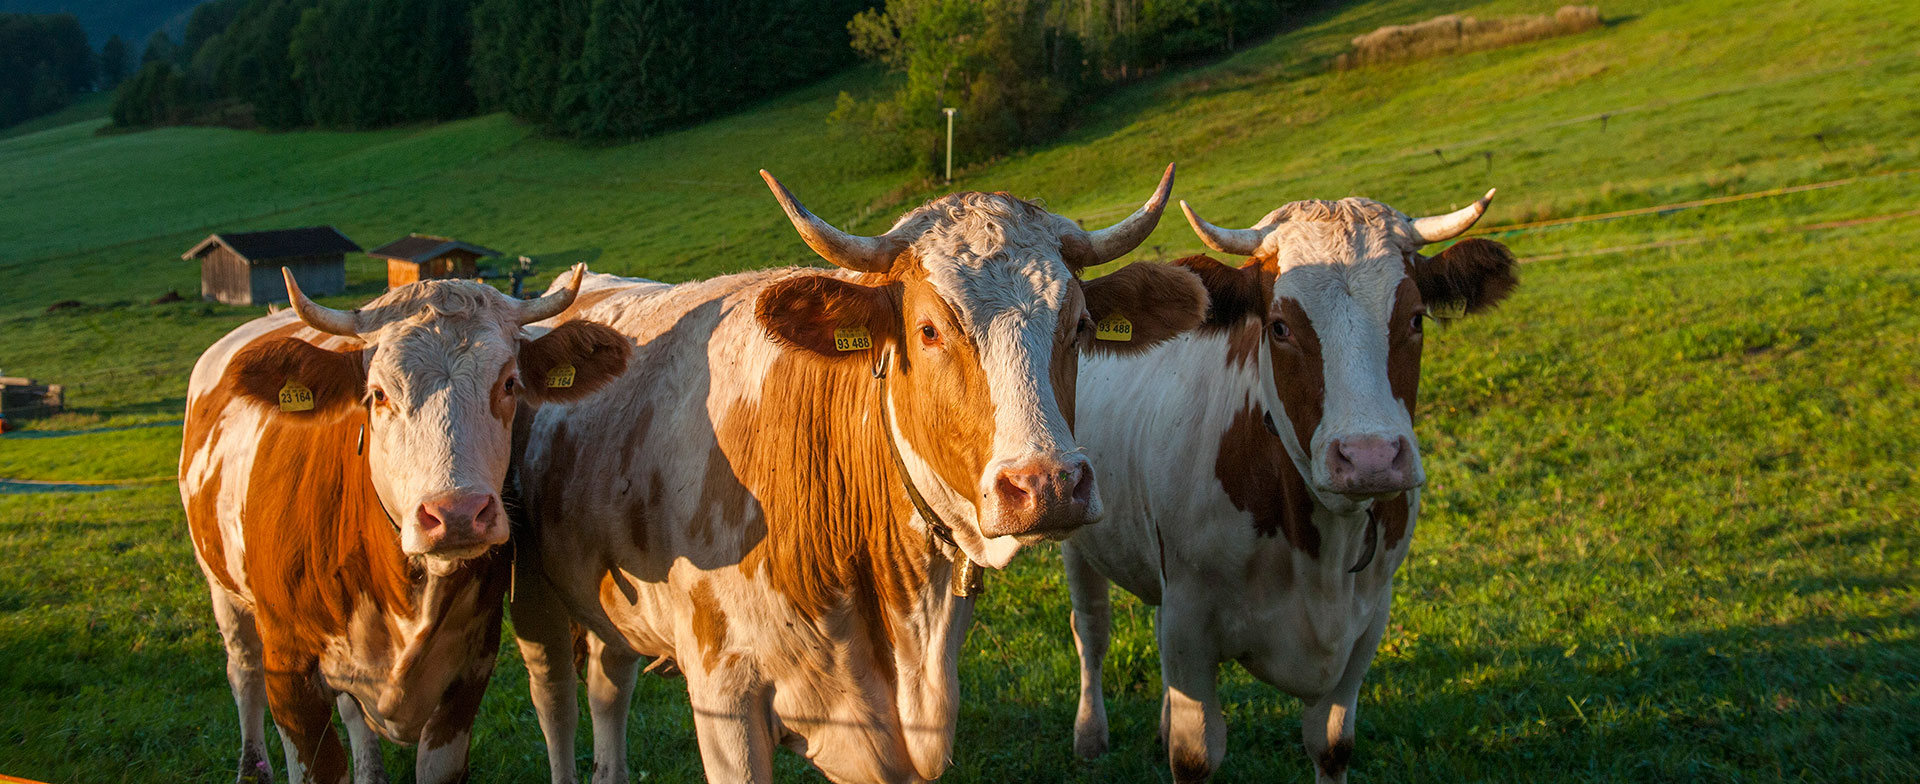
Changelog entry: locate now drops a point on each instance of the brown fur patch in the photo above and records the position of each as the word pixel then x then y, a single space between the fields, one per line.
pixel 1161 300
pixel 1334 761
pixel 1233 294
pixel 1472 275
pixel 1260 479
pixel 709 623
pixel 337 378
pixel 1189 765
pixel 803 311
pixel 597 352
pixel 1299 373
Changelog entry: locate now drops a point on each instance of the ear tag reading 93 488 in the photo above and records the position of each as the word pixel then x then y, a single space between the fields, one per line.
pixel 852 339
pixel 1113 327
pixel 294 397
pixel 560 377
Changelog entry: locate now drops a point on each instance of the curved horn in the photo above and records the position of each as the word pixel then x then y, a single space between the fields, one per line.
pixel 1121 238
pixel 320 317
pixel 1453 224
pixel 852 251
pixel 552 304
pixel 1239 242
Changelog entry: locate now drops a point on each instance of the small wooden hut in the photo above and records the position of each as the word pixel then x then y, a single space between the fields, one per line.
pixel 417 257
pixel 244 268
pixel 23 398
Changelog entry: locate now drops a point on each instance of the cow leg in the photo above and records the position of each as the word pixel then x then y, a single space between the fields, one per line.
pixel 1327 726
pixel 545 636
pixel 1092 630
pixel 368 768
pixel 1196 731
pixel 442 756
pixel 304 715
pixel 731 708
pixel 611 673
pixel 242 641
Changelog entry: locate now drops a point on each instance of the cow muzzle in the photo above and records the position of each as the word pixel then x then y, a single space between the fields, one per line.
pixel 458 525
pixel 1041 498
pixel 1371 466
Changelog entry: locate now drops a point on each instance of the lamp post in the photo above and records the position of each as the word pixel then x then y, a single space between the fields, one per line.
pixel 949 110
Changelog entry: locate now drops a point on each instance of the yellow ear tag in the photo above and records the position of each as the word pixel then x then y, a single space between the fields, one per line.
pixel 1114 327
pixel 294 397
pixel 560 377
pixel 852 339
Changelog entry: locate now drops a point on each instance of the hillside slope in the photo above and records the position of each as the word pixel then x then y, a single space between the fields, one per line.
pixel 1671 528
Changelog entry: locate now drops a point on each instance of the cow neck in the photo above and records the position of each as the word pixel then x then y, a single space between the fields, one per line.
pixel 1373 515
pixel 968 578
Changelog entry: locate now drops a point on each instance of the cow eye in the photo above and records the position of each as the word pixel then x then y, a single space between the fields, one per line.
pixel 1085 326
pixel 1280 330
pixel 1419 322
pixel 379 396
pixel 929 335
pixel 508 385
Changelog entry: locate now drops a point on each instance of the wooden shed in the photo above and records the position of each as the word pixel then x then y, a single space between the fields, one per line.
pixel 244 268
pixel 417 257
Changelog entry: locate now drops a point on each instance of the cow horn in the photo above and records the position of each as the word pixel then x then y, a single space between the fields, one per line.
pixel 852 251
pixel 320 317
pixel 1438 228
pixel 1239 242
pixel 1121 238
pixel 553 304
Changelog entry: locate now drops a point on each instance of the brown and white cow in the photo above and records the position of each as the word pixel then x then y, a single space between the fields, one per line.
pixel 789 492
pixel 1262 472
pixel 341 476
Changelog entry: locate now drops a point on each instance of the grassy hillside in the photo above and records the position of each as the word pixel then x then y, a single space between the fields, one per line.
pixel 1672 527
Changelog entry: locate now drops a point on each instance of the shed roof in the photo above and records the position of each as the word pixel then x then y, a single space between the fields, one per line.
pixel 278 243
pixel 421 247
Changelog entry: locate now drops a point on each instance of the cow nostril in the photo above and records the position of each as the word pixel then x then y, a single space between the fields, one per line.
pixel 428 520
pixel 1013 492
pixel 1082 485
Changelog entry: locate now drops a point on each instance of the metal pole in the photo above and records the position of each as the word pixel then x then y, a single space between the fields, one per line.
pixel 949 110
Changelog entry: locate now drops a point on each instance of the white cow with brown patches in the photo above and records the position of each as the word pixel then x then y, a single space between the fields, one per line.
pixel 1262 474
pixel 790 491
pixel 341 474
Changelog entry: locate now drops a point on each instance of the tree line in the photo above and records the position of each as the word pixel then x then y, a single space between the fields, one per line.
pixel 44 62
pixel 617 69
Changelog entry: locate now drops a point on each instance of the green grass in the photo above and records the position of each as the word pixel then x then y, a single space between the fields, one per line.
pixel 1673 523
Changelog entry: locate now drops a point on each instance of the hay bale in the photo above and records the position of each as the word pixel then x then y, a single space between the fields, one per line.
pixel 1453 33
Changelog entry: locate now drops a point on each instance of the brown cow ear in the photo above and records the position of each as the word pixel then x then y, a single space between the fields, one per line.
pixel 1472 276
pixel 298 378
pixel 572 361
pixel 826 315
pixel 1233 293
pixel 1142 304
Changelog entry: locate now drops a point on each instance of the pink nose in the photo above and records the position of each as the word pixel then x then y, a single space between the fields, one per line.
pixel 1041 497
pixel 460 520
pixel 1369 465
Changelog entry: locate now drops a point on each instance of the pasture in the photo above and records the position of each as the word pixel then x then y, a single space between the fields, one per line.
pixel 1672 523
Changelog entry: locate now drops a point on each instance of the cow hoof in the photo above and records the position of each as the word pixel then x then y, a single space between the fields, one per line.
pixel 255 771
pixel 1090 745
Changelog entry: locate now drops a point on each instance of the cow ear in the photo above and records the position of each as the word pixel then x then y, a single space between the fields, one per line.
pixel 1233 294
pixel 1471 276
pixel 1142 304
pixel 572 361
pixel 298 378
pixel 826 315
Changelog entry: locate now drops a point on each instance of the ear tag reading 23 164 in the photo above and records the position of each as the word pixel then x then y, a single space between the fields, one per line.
pixel 560 377
pixel 294 397
pixel 852 339
pixel 1113 327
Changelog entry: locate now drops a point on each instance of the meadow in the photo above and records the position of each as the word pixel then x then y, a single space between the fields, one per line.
pixel 1672 522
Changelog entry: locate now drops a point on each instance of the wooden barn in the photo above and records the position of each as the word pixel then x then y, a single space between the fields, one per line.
pixel 418 257
pixel 244 268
